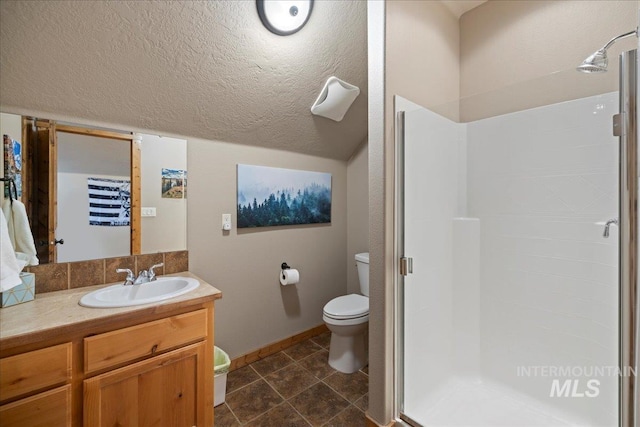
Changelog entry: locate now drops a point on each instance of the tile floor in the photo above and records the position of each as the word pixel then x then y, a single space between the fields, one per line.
pixel 295 387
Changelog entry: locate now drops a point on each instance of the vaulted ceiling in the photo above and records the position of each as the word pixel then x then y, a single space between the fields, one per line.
pixel 199 69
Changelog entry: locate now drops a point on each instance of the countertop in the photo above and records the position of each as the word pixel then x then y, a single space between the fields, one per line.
pixel 61 310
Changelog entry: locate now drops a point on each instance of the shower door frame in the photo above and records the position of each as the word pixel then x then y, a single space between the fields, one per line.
pixel 402 418
pixel 626 127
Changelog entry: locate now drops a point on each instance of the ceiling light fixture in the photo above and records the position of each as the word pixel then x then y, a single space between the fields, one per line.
pixel 284 17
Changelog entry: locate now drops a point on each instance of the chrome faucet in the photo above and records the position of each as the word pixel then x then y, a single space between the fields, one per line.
pixel 145 276
pixel 152 274
pixel 130 277
pixel 607 225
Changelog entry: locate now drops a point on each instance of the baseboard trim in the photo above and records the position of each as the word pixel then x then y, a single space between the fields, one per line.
pixel 372 423
pixel 275 347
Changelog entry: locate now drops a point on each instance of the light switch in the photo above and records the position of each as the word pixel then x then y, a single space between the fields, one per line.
pixel 148 212
pixel 226 222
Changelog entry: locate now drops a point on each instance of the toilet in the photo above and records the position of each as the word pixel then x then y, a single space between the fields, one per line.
pixel 347 317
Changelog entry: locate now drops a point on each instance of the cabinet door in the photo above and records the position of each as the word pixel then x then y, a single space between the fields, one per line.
pixel 166 390
pixel 51 408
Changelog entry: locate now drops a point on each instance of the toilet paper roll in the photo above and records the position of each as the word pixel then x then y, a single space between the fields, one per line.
pixel 290 276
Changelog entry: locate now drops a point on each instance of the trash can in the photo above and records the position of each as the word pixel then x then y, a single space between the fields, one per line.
pixel 221 363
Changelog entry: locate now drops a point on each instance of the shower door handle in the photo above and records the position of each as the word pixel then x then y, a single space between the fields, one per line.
pixel 617 124
pixel 406 266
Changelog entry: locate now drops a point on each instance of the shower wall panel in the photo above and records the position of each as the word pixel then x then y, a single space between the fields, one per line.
pixel 543 182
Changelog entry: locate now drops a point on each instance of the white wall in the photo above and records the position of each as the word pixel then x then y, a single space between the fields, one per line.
pixel 167 231
pixel 540 181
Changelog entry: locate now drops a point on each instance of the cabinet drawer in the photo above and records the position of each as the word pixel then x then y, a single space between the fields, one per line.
pixel 128 344
pixel 35 370
pixel 51 408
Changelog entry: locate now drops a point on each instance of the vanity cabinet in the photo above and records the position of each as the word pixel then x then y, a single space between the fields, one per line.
pixel 49 408
pixel 147 367
pixel 35 378
pixel 165 390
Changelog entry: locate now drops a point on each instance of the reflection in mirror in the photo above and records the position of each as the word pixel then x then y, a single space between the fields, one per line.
pixel 60 207
pixel 85 163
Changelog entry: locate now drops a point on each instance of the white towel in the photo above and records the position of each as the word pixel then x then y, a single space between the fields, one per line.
pixel 19 232
pixel 10 267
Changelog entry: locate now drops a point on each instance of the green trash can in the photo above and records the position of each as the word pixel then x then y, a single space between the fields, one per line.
pixel 221 363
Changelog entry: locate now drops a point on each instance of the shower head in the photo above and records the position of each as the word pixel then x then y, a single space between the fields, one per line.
pixel 597 62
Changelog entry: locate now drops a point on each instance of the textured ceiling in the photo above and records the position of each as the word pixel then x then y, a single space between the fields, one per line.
pixel 204 69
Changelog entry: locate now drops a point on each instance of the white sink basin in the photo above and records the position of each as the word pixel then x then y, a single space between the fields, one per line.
pixel 124 296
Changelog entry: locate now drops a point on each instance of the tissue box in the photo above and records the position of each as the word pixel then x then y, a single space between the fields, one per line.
pixel 24 292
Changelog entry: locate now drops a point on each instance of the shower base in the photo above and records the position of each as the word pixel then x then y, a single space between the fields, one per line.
pixel 471 402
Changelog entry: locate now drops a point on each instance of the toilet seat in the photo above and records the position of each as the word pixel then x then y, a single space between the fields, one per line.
pixel 347 307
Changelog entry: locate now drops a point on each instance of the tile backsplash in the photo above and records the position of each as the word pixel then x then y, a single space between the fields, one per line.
pixel 69 275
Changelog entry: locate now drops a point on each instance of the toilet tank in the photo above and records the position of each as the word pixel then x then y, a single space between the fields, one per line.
pixel 362 262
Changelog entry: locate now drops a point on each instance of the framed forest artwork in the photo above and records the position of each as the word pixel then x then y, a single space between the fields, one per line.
pixel 270 197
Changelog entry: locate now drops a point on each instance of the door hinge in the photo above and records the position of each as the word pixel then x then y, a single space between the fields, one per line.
pixel 617 124
pixel 406 266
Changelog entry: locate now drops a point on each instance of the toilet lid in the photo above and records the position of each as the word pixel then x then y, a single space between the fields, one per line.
pixel 347 307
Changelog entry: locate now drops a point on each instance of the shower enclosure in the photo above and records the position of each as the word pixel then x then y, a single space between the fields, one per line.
pixel 515 308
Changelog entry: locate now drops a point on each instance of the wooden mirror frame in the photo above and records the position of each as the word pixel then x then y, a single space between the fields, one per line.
pixel 40 160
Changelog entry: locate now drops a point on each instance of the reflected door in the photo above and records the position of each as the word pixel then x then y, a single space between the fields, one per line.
pixel 41 137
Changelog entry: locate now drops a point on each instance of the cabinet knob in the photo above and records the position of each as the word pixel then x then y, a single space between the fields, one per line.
pixel 154 348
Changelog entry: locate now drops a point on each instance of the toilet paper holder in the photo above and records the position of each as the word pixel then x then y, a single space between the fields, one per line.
pixel 288 275
pixel 284 266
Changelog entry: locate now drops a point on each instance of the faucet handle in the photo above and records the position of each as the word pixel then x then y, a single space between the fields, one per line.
pixel 152 274
pixel 613 221
pixel 130 276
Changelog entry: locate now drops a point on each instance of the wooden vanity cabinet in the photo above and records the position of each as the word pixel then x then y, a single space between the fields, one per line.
pixel 164 389
pixel 40 380
pixel 46 409
pixel 154 369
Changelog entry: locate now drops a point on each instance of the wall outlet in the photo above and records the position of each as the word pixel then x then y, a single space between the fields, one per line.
pixel 226 222
pixel 148 212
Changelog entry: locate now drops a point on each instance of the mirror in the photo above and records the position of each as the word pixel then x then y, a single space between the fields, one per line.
pixel 108 193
